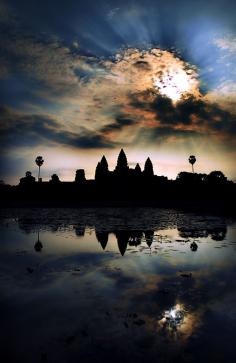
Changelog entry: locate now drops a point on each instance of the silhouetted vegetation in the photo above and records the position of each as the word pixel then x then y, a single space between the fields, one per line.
pixel 28 179
pixel 126 186
pixel 192 160
pixel 39 161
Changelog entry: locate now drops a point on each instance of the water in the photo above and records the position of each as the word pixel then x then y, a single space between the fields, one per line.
pixel 95 285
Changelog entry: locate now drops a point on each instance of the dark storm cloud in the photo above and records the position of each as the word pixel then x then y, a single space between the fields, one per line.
pixel 186 112
pixel 119 123
pixel 25 130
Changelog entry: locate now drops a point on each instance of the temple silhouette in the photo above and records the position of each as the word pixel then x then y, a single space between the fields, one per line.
pixel 124 186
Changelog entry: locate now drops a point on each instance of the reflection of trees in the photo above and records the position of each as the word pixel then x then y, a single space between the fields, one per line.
pixel 193 246
pixel 27 224
pixel 38 245
pixel 216 233
pixel 30 225
pixel 186 233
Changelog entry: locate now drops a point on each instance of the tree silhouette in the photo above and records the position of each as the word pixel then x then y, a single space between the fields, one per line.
pixel 28 179
pixel 39 161
pixel 217 176
pixel 148 168
pixel 192 160
pixel 28 174
pixel 122 164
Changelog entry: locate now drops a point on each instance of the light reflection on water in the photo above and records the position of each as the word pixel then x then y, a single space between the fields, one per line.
pixel 80 284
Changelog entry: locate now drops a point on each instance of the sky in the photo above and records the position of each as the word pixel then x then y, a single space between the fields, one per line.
pixel 80 79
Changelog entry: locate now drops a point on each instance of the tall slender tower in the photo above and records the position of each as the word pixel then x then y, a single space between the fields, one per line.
pixel 122 164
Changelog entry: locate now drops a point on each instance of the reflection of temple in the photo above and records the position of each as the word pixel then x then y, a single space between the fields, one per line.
pixel 122 240
pixel 125 238
pixel 102 238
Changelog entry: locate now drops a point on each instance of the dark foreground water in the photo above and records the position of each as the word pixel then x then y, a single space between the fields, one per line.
pixel 117 285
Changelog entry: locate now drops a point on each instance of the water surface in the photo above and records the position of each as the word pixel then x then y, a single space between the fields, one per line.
pixel 91 285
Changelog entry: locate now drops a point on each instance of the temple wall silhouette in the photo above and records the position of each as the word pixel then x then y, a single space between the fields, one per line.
pixel 125 185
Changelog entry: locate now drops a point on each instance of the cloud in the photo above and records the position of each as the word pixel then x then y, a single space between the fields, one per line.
pixel 106 98
pixel 24 130
pixel 186 117
pixel 111 13
pixel 226 43
pixel 119 123
pixel 48 61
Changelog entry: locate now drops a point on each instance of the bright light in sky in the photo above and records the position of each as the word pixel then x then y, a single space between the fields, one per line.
pixel 173 84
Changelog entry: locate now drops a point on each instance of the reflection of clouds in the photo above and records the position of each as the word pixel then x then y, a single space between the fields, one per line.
pixel 176 303
pixel 120 297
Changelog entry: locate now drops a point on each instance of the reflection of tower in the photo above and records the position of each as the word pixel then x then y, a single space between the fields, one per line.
pixel 122 241
pixel 38 245
pixel 149 237
pixel 102 238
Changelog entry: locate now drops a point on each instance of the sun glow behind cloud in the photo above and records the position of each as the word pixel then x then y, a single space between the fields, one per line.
pixel 118 103
pixel 174 84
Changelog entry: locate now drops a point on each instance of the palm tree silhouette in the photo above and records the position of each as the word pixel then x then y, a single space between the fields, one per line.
pixel 192 160
pixel 39 161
